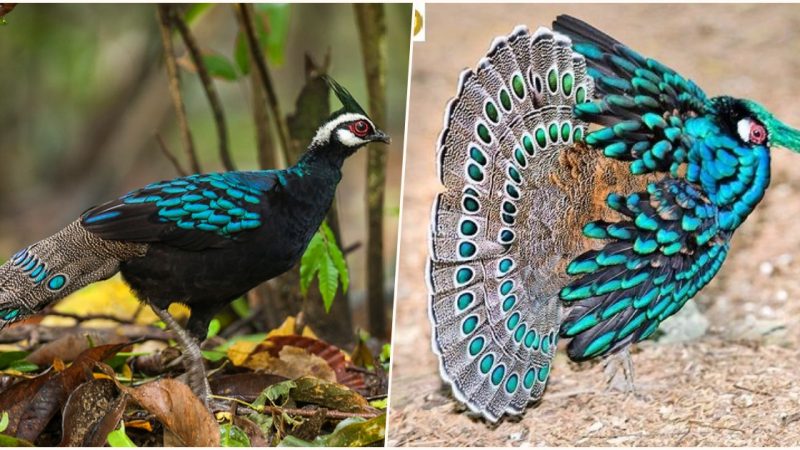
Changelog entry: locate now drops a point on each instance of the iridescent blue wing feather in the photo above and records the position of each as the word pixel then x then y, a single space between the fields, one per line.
pixel 665 250
pixel 192 213
pixel 642 104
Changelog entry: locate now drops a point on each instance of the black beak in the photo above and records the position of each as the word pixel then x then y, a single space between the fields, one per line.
pixel 382 137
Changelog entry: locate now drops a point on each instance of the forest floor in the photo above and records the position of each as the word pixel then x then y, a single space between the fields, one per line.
pixel 733 380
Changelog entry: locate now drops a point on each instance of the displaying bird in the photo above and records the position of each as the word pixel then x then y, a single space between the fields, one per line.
pixel 201 240
pixel 590 192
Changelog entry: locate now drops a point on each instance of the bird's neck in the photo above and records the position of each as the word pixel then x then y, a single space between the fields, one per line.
pixel 734 176
pixel 324 161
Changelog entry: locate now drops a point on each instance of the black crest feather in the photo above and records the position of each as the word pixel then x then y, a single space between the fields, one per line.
pixel 349 104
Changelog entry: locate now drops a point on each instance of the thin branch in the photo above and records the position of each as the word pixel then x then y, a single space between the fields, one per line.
pixel 164 14
pixel 47 334
pixel 246 21
pixel 85 317
pixel 305 412
pixel 165 150
pixel 209 88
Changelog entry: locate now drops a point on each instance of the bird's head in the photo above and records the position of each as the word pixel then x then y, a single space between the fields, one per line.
pixel 754 125
pixel 348 128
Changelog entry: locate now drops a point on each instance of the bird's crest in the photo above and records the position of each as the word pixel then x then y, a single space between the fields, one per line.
pixel 349 103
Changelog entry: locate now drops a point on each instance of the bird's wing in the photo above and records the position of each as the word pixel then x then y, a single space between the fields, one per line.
pixel 191 213
pixel 642 104
pixel 665 250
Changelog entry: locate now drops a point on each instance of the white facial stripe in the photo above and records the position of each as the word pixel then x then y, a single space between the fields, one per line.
pixel 743 128
pixel 349 139
pixel 323 135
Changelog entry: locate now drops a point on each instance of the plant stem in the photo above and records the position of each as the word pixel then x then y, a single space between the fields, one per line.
pixel 245 14
pixel 164 21
pixel 210 90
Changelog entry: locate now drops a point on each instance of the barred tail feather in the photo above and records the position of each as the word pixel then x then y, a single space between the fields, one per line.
pixel 497 237
pixel 57 266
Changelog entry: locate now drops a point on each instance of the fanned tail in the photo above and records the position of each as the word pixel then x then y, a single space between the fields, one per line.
pixel 498 230
pixel 55 267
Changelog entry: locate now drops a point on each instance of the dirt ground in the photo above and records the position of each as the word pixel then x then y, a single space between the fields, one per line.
pixel 734 382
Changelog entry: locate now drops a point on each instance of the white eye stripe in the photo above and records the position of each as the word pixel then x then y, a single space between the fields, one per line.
pixel 323 135
pixel 743 128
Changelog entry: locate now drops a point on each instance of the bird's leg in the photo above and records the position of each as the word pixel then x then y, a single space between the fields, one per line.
pixel 612 367
pixel 193 359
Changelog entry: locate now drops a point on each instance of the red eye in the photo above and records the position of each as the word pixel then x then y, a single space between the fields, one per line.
pixel 360 128
pixel 758 134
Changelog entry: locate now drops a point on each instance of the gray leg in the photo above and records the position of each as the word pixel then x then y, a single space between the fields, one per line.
pixel 613 364
pixel 193 359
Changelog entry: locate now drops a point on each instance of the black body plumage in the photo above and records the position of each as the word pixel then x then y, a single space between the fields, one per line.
pixel 202 240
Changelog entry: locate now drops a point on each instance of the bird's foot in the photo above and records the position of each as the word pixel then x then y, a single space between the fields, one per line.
pixel 618 368
pixel 192 358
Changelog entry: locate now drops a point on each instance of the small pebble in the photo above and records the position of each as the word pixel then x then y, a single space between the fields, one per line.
pixel 766 268
pixel 595 427
pixel 781 295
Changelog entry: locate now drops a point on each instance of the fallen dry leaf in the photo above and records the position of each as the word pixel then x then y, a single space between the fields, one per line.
pixel 68 347
pixel 36 401
pixel 175 405
pixel 244 386
pixel 92 411
pixel 329 395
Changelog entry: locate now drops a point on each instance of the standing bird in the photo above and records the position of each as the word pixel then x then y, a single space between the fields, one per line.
pixel 548 229
pixel 201 240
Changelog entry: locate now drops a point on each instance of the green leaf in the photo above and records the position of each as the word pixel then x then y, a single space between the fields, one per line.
pixel 274 392
pixel 232 436
pixel 213 355
pixel 328 281
pixel 386 352
pixel 337 256
pixel 7 358
pixel 118 438
pixel 219 66
pixel 309 264
pixel 241 307
pixel 380 404
pixel 4 422
pixel 274 42
pixel 23 366
pixel 357 432
pixel 196 11
pixel 291 441
pixel 213 328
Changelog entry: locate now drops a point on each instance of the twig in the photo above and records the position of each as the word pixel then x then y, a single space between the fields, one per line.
pixel 754 391
pixel 47 334
pixel 164 15
pixel 310 412
pixel 244 12
pixel 85 317
pixel 209 88
pixel 372 30
pixel 170 156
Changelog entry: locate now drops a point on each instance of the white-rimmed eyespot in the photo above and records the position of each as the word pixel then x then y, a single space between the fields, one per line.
pixel 751 131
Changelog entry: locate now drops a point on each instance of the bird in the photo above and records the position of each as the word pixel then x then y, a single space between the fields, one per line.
pixel 202 240
pixel 589 192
